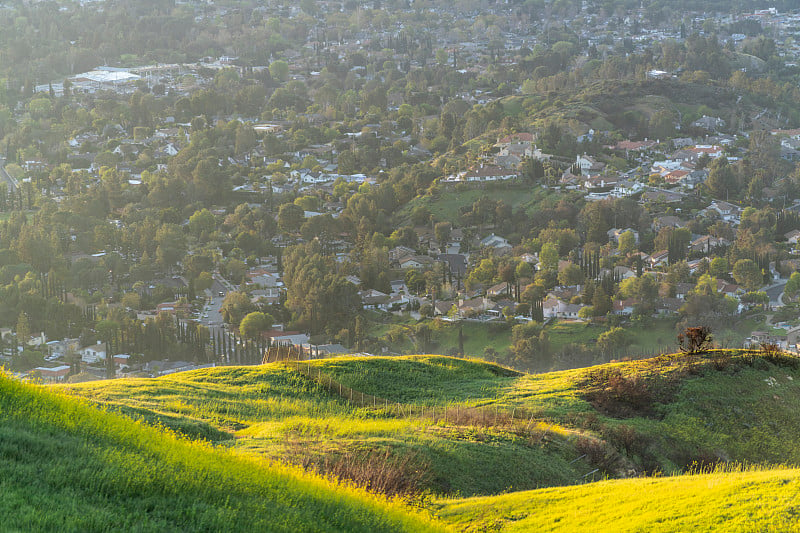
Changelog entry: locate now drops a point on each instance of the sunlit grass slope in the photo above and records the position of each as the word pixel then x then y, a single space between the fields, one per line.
pixel 660 414
pixel 67 466
pixel 733 501
pixel 274 411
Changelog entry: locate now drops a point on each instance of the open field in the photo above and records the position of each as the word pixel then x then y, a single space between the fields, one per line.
pixel 445 206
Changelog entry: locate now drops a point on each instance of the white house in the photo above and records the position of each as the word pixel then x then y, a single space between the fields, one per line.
pixel 793 236
pixel 374 299
pixel 588 164
pixel 93 353
pixel 495 241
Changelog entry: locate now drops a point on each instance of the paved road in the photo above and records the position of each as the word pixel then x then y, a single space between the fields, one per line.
pixel 211 316
pixel 774 292
pixel 11 182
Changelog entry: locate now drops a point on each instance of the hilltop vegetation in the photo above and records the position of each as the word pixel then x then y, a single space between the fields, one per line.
pixel 65 466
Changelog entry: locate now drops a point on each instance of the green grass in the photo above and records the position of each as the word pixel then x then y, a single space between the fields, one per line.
pixel 725 407
pixel 561 333
pixel 422 378
pixel 274 412
pixel 477 337
pixel 650 415
pixel 66 466
pixel 445 206
pixel 739 501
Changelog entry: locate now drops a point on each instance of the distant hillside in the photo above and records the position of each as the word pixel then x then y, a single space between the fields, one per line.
pixel 628 105
pixel 65 466
pixel 738 501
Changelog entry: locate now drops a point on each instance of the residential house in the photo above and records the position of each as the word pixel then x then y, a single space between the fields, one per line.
pixel 706 243
pixel 397 301
pixel 599 181
pixel 416 261
pixel 443 307
pixel 456 263
pixel 501 289
pixel 398 252
pixel 682 290
pixel 495 241
pixel 173 308
pixel 487 173
pixel 667 221
pixel 264 278
pixel 270 295
pixel 515 138
pixel 287 337
pixel 661 196
pixel 729 289
pixel 355 280
pixel 519 150
pixel 553 307
pixel 675 176
pixel 62 347
pixel 588 164
pixel 728 212
pixel 624 307
pixel 793 236
pixel 711 150
pixel 757 338
pixel 53 374
pixel 668 306
pixel 623 272
pixel 709 123
pixel 122 360
pixel 374 299
pixel 507 161
pixel 659 258
pixel 93 353
pixel 570 311
pixel 635 146
pixel 473 307
pixel 614 234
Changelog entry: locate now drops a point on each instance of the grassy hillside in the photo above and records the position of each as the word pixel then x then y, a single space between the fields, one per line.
pixel 455 426
pixel 739 501
pixel 273 411
pixel 660 414
pixel 446 205
pixel 65 466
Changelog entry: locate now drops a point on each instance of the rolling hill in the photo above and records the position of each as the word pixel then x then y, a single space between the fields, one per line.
pixel 480 445
pixel 65 466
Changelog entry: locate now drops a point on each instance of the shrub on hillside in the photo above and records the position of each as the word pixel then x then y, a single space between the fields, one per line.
pixel 619 395
pixel 695 339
